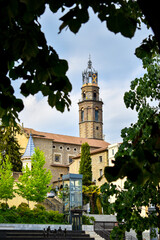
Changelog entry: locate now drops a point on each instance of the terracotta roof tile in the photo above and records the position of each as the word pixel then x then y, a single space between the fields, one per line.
pixel 66 139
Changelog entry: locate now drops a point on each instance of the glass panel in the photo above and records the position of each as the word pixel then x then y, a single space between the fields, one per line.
pixel 72 194
pixel 66 196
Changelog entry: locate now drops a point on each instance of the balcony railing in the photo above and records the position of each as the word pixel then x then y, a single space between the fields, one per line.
pixel 90 99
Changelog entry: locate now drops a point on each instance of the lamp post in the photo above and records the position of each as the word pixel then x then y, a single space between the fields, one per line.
pixel 152 210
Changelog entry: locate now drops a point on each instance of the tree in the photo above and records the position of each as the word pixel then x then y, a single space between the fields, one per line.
pixel 24 52
pixel 93 193
pixel 32 184
pixel 6 179
pixel 128 207
pixel 9 146
pixel 138 157
pixel 85 164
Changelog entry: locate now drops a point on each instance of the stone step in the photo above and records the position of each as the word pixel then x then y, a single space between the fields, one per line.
pixel 56 235
pixel 94 235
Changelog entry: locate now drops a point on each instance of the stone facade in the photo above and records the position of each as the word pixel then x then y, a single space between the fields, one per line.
pixel 59 150
pixel 89 127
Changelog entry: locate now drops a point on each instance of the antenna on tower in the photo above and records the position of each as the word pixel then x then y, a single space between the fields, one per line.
pixel 89 62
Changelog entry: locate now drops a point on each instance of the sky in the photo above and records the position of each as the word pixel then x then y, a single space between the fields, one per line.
pixel 112 55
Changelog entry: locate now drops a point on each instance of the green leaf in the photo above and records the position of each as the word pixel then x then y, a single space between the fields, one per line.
pixel 52 100
pixel 118 21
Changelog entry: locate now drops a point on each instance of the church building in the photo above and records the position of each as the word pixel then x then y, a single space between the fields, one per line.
pixel 60 150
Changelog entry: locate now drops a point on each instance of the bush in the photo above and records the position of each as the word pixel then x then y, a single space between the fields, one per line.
pixel 23 205
pixel 4 206
pixel 23 214
pixel 39 206
pixel 56 217
pixel 86 220
pixel 2 219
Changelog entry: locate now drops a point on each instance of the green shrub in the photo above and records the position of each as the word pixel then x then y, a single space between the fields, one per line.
pixel 92 219
pixel 2 219
pixel 39 206
pixel 86 220
pixel 23 214
pixel 40 214
pixel 13 208
pixel 4 206
pixel 56 217
pixel 11 216
pixel 23 205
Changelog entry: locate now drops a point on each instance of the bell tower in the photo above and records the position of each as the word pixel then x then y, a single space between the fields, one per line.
pixel 90 105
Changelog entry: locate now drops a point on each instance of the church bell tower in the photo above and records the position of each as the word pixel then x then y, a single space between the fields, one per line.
pixel 90 105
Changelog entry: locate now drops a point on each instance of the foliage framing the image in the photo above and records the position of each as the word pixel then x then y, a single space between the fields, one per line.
pixel 138 157
pixel 10 147
pixel 24 52
pixel 128 206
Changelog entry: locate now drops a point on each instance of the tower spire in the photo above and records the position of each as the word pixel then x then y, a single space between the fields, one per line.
pixel 89 62
pixel 90 75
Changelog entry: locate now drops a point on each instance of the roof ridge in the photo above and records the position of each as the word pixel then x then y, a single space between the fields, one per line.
pixel 67 139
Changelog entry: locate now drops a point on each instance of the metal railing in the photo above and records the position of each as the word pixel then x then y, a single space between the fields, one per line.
pixel 49 203
pixel 130 237
pixel 104 229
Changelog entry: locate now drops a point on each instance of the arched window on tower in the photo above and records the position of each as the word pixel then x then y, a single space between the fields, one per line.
pixel 94 95
pixel 82 115
pixel 84 95
pixel 96 114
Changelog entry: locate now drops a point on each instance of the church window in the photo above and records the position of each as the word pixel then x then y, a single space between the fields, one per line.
pixel 84 95
pixel 57 158
pixel 94 95
pixel 70 159
pixel 112 152
pixel 97 128
pixel 82 115
pixel 100 172
pixel 96 114
pixel 100 158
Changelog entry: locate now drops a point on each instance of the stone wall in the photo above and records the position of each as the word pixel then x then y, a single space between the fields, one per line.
pixel 99 162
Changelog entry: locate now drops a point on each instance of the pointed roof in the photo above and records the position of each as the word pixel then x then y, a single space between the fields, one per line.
pixel 29 149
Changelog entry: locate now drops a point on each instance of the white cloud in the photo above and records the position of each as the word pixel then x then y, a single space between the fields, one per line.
pixel 112 56
pixel 37 114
